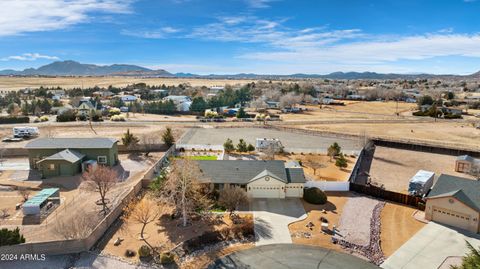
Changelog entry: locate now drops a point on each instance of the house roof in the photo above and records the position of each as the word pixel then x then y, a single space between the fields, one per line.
pixel 41 196
pixel 71 143
pixel 266 173
pixel 68 155
pixel 295 175
pixel 242 171
pixel 463 189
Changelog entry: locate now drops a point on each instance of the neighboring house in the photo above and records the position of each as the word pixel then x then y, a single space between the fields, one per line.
pixel 455 201
pixel 464 163
pixel 272 104
pixel 129 98
pixel 453 111
pixel 86 108
pixel 261 179
pixel 103 94
pixel 66 156
pixel 182 102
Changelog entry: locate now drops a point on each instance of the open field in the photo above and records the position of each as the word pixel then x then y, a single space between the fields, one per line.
pixel 328 171
pixel 16 83
pixel 393 167
pixel 442 132
pixel 354 110
pixel 397 226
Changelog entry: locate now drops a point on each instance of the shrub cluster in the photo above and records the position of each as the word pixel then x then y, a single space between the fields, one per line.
pixel 314 196
pixel 19 119
pixel 117 118
pixel 238 231
pixel 11 237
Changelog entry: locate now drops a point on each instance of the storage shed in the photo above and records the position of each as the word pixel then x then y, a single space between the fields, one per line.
pixel 37 202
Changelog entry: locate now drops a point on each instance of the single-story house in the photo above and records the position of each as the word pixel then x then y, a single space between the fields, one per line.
pixel 261 179
pixel 455 201
pixel 464 163
pixel 86 108
pixel 66 156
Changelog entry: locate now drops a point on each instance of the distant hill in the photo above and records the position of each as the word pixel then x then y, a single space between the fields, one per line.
pixel 73 68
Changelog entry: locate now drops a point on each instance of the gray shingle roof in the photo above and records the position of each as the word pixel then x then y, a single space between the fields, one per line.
pixel 295 175
pixel 464 189
pixel 465 158
pixel 241 172
pixel 68 155
pixel 72 143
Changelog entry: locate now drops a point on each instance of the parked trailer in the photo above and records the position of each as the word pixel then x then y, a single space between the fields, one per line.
pixel 25 131
pixel 421 183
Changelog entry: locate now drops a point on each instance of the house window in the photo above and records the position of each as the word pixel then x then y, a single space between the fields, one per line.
pixel 51 166
pixel 102 159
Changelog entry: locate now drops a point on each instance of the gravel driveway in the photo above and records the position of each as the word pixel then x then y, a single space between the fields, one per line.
pixel 272 217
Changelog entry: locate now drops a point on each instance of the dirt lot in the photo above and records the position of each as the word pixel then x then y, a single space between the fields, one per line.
pixel 453 133
pixel 393 168
pixel 353 110
pixel 15 83
pixel 329 172
pixel 333 210
pixel 165 232
pixel 397 226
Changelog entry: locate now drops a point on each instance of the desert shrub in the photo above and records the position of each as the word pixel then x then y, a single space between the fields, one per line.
pixel 114 111
pixel 82 118
pixel 43 118
pixel 130 253
pixel 66 116
pixel 207 238
pixel 11 237
pixel 117 118
pixel 314 196
pixel 144 251
pixel 244 230
pixel 420 113
pixel 19 119
pixel 452 116
pixel 97 117
pixel 167 258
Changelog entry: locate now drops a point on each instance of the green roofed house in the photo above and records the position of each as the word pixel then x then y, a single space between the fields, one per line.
pixel 66 156
pixel 34 205
pixel 261 179
pixel 455 201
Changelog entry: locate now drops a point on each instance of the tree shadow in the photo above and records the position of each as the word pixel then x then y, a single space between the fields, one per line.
pixel 263 229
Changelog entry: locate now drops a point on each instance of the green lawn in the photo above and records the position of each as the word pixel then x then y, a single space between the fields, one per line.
pixel 202 158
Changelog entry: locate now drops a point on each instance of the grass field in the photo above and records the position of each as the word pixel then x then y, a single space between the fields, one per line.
pixel 16 83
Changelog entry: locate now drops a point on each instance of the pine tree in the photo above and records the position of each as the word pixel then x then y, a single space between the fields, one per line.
pixel 167 137
pixel 129 140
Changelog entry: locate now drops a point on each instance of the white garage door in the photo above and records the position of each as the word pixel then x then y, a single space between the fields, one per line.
pixel 266 192
pixel 294 191
pixel 451 218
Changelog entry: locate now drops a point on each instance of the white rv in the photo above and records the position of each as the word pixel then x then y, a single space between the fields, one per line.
pixel 25 131
pixel 421 183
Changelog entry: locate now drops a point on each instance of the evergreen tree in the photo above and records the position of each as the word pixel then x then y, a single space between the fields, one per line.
pixel 167 137
pixel 228 146
pixel 242 146
pixel 129 140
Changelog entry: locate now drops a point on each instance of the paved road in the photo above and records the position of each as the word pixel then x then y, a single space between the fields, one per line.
pixel 288 256
pixel 271 219
pixel 297 142
pixel 430 246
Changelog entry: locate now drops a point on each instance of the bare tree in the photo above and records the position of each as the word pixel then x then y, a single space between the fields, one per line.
pixel 143 212
pixel 79 228
pixel 258 104
pixel 231 198
pixel 24 192
pixel 290 100
pixel 183 190
pixel 100 179
pixel 315 165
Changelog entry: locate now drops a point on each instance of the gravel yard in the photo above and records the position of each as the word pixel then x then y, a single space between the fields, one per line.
pixel 354 225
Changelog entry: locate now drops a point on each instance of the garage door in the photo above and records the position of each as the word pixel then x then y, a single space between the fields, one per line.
pixel 451 218
pixel 65 170
pixel 266 192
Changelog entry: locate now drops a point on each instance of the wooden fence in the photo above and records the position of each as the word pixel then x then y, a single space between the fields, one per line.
pixel 388 195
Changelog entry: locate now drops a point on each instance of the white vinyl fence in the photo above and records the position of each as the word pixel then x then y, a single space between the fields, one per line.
pixel 329 185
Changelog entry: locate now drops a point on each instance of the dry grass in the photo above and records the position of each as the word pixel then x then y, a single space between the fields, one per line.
pixel 15 83
pixel 397 226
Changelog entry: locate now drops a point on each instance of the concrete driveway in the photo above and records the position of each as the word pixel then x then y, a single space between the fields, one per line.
pixel 271 218
pixel 430 246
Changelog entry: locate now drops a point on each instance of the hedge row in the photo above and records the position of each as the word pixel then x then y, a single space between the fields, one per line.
pixel 21 119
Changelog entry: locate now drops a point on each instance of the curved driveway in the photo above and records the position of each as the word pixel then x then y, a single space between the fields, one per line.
pixel 283 256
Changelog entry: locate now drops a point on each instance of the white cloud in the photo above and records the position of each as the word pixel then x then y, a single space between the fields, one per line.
pixel 29 57
pixel 259 3
pixel 163 32
pixel 32 15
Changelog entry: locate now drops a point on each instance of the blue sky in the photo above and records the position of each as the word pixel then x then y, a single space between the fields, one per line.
pixel 257 36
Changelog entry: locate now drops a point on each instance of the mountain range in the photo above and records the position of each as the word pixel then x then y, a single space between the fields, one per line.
pixel 73 68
